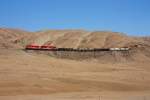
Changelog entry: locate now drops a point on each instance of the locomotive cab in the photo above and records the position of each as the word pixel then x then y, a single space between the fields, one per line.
pixel 32 47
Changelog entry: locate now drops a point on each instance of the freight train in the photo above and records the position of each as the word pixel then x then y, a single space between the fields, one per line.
pixel 51 47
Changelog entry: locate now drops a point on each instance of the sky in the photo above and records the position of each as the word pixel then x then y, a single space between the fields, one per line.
pixel 127 16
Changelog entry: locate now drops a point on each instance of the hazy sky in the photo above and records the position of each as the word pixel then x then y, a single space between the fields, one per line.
pixel 128 16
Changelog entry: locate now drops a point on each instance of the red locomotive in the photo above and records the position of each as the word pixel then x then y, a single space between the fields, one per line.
pixel 32 47
pixel 38 47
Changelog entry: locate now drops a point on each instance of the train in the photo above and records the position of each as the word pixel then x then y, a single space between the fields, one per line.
pixel 51 47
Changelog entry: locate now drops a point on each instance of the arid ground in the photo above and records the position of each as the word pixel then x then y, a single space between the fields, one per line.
pixel 32 76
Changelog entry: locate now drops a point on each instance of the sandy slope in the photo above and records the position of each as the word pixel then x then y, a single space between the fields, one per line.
pixel 68 38
pixel 13 38
pixel 29 76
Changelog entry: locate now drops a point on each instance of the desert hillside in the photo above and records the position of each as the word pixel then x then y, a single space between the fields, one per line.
pixel 36 76
pixel 68 38
pixel 13 38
